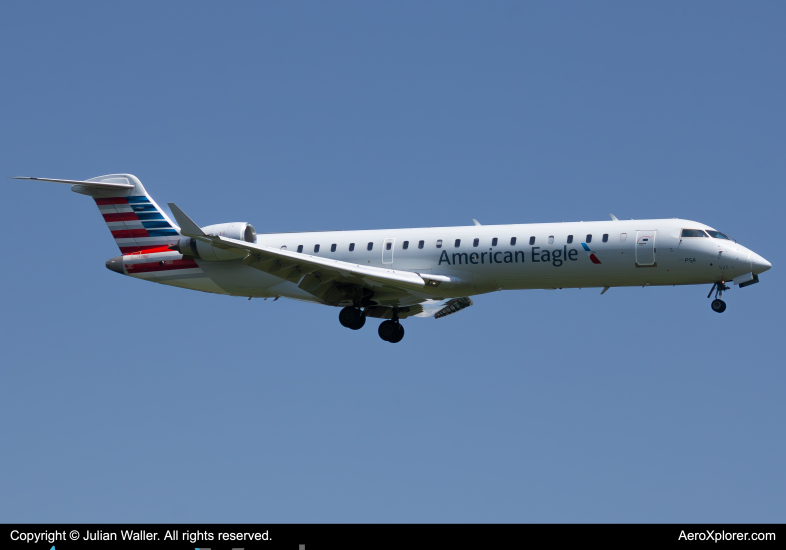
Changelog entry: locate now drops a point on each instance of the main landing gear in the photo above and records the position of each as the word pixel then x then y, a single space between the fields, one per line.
pixel 390 331
pixel 718 305
pixel 352 317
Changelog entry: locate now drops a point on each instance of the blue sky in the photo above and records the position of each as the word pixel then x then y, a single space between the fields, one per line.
pixel 122 400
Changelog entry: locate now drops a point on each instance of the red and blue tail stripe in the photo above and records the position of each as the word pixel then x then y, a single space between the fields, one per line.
pixel 137 224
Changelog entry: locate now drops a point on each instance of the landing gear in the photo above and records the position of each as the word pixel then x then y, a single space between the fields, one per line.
pixel 718 305
pixel 391 331
pixel 352 317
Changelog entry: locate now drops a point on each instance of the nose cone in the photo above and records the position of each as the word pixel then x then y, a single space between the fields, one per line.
pixel 759 264
pixel 116 265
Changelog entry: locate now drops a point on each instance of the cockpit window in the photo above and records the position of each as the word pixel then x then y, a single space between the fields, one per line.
pixel 717 234
pixel 693 233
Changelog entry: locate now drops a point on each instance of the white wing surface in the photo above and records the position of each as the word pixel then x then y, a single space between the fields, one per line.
pixel 316 275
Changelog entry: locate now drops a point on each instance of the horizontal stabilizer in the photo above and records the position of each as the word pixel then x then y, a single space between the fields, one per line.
pixel 99 184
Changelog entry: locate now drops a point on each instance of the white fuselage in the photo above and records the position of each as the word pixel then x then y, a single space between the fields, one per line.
pixel 635 252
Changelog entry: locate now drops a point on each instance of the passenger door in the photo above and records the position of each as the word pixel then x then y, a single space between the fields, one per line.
pixel 387 251
pixel 645 248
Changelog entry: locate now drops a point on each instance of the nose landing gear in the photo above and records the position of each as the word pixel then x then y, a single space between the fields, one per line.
pixel 718 305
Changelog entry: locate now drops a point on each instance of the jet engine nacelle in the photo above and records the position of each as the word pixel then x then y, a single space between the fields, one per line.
pixel 240 231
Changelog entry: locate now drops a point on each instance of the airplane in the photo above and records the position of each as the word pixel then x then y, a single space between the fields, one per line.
pixel 392 274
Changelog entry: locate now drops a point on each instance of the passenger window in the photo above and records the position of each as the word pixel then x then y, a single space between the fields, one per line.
pixel 351 247
pixel 476 242
pixel 589 239
pixel 623 237
pixel 316 248
pixel 284 247
pixel 406 245
pixel 605 237
pixel 513 241
pixel 531 241
pixel 493 242
pixel 551 239
pixel 693 233
pixel 570 239
pixel 332 247
pixel 457 243
pixel 421 244
pixel 370 246
pixel 388 246
pixel 439 243
pixel 300 248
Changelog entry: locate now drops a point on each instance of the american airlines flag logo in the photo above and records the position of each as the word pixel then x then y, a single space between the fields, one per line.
pixel 591 255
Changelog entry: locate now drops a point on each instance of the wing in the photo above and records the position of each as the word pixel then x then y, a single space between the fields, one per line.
pixel 332 281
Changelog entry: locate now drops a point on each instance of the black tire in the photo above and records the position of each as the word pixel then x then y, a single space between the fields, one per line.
pixel 350 316
pixel 388 330
pixel 718 306
pixel 359 323
pixel 398 336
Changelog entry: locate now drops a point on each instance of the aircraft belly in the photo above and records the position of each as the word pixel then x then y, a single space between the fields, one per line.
pixel 597 281
pixel 192 279
pixel 291 290
pixel 203 284
pixel 617 268
pixel 169 268
pixel 236 279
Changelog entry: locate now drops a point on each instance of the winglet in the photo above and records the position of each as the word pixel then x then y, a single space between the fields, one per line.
pixel 187 225
pixel 613 217
pixel 476 221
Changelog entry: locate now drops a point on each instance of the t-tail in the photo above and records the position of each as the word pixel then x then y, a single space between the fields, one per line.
pixel 136 222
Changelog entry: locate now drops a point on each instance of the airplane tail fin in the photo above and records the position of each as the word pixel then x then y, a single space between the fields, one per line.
pixel 137 223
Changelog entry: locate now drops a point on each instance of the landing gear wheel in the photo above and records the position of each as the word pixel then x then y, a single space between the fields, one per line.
pixel 718 305
pixel 396 339
pixel 352 317
pixel 390 331
pixel 360 322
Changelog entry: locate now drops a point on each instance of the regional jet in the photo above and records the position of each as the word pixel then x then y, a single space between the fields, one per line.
pixel 392 274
